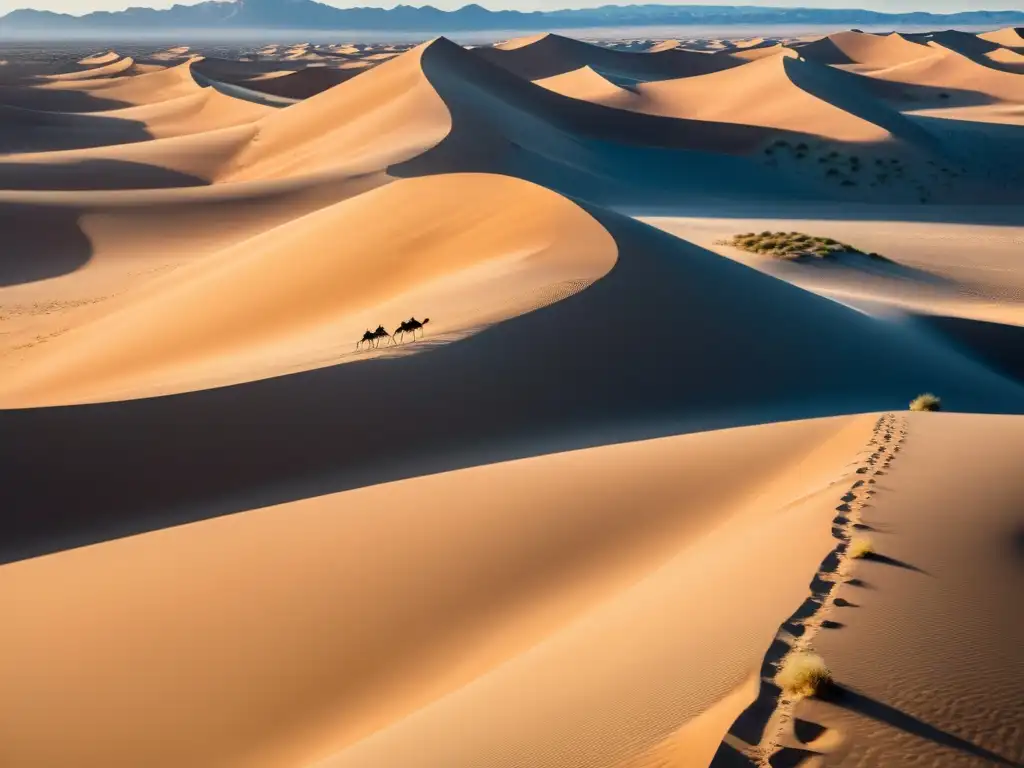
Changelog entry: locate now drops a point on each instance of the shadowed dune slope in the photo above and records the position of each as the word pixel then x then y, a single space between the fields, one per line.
pixel 929 660
pixel 782 93
pixel 25 130
pixel 145 88
pixel 438 109
pixel 99 59
pixel 366 627
pixel 118 67
pixel 950 70
pixel 962 42
pixel 797 347
pixel 103 94
pixel 181 161
pixel 548 55
pixel 869 51
pixel 48 234
pixel 302 84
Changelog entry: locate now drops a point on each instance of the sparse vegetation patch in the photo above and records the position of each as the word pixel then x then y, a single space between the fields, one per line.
pixel 795 245
pixel 861 548
pixel 926 402
pixel 803 674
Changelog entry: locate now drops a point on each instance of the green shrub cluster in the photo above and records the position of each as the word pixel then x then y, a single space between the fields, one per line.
pixel 791 245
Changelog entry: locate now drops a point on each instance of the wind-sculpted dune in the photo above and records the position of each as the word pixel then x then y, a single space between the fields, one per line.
pixel 1011 37
pixel 535 404
pixel 863 50
pixel 547 55
pixel 778 92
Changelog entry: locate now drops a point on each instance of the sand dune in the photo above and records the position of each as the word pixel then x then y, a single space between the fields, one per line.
pixel 552 244
pixel 304 83
pixel 1011 37
pixel 201 112
pixel 450 561
pixel 777 92
pixel 95 95
pixel 99 59
pixel 547 55
pixel 580 518
pixel 384 117
pixel 119 66
pixel 963 80
pixel 439 110
pixel 864 50
pixel 664 45
pixel 759 52
pixel 588 85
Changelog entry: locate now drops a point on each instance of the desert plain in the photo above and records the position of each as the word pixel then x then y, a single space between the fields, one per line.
pixel 653 444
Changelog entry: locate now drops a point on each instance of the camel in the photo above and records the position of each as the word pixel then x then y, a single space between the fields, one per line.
pixel 372 337
pixel 416 325
pixel 408 326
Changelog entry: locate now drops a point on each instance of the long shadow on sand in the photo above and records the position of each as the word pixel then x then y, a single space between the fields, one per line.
pixel 998 346
pixel 41 243
pixel 864 705
pixel 52 100
pixel 503 124
pixel 719 345
pixel 24 130
pixel 92 175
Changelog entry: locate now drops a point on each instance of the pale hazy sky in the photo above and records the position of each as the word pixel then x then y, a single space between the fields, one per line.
pixel 935 6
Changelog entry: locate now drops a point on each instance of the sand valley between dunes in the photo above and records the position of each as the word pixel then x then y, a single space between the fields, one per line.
pixel 539 404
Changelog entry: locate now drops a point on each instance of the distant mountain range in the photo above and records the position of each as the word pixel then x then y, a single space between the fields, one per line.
pixel 238 15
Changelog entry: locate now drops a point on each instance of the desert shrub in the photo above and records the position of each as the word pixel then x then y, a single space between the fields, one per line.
pixel 860 548
pixel 926 402
pixel 790 244
pixel 803 674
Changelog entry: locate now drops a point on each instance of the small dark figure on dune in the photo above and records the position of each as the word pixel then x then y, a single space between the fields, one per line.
pixel 409 326
pixel 373 337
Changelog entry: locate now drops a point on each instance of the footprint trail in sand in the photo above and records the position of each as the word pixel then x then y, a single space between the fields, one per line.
pixel 767 727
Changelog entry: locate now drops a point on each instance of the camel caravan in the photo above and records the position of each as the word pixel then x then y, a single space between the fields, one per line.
pixel 412 325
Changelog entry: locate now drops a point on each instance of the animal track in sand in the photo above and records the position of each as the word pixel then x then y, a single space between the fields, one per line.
pixel 767 731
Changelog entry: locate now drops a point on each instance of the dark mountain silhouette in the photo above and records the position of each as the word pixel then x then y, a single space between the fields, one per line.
pixel 311 15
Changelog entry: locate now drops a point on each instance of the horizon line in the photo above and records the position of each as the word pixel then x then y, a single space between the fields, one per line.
pixel 481 5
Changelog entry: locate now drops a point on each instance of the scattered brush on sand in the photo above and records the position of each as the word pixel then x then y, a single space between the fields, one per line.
pixel 803 674
pixel 926 402
pixel 861 548
pixel 795 246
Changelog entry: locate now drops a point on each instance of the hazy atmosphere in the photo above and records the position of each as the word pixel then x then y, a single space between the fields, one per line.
pixel 935 6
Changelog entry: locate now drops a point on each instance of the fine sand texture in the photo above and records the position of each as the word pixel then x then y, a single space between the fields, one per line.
pixel 543 403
